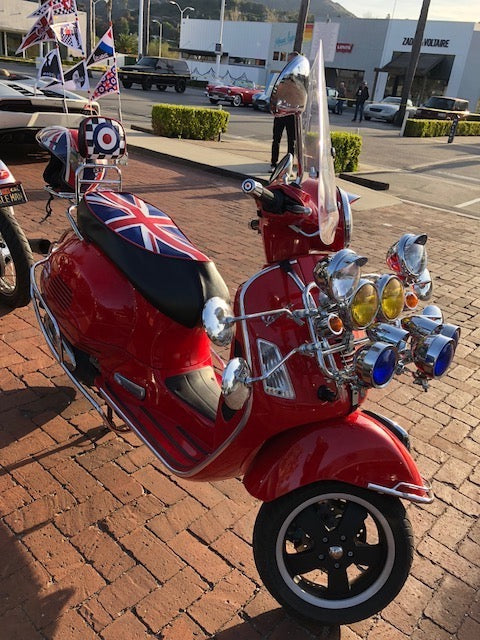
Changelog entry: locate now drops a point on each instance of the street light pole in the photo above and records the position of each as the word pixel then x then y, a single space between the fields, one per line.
pixel 302 21
pixel 182 11
pixel 159 37
pixel 218 46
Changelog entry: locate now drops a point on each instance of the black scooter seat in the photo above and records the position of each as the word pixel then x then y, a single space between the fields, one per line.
pixel 152 252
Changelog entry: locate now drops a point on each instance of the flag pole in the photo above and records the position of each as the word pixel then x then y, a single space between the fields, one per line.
pixel 120 117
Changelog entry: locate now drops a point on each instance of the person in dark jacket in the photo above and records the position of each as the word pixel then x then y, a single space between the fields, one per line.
pixel 342 95
pixel 361 96
pixel 279 124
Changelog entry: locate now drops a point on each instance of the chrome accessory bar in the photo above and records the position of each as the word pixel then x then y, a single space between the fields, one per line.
pixel 402 490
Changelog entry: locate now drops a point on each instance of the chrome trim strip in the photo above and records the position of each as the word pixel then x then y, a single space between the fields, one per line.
pixel 199 467
pixel 399 493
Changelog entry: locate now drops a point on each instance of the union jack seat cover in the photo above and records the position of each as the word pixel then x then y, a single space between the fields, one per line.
pixel 101 138
pixel 142 224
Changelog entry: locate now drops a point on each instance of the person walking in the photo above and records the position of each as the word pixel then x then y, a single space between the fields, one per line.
pixel 279 124
pixel 342 94
pixel 361 96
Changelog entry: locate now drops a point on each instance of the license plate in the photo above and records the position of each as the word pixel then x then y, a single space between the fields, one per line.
pixel 11 194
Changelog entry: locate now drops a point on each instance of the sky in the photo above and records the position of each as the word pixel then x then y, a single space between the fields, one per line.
pixel 450 10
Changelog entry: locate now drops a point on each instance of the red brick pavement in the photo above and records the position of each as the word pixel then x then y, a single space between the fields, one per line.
pixel 99 541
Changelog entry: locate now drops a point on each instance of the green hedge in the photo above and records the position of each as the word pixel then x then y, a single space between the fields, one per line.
pixel 347 150
pixel 193 123
pixel 437 128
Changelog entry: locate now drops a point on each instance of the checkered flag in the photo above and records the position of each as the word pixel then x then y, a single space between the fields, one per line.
pixel 108 83
pixel 68 33
pixel 101 138
pixel 57 7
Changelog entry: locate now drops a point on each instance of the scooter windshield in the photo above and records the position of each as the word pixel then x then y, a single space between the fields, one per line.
pixel 319 150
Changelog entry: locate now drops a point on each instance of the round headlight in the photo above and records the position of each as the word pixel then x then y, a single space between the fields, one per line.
pixel 339 274
pixel 392 297
pixel 433 355
pixel 409 255
pixel 364 305
pixel 375 364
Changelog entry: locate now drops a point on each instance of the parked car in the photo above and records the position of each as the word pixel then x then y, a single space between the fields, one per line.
pixel 238 94
pixel 151 70
pixel 332 99
pixel 261 101
pixel 442 108
pixel 23 111
pixel 386 109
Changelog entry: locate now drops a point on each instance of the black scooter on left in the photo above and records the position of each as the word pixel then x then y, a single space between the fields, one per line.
pixel 15 250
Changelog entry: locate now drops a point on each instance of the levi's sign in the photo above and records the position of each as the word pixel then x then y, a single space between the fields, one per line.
pixel 428 42
pixel 344 47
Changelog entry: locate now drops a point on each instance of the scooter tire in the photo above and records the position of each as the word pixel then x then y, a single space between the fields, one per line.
pixel 14 251
pixel 298 535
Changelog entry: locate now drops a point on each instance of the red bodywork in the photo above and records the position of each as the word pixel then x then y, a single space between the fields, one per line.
pixel 232 93
pixel 279 444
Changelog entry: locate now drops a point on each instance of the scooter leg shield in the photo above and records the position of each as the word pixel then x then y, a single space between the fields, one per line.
pixel 356 449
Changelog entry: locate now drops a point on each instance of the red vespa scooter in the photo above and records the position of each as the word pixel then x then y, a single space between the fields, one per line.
pixel 309 335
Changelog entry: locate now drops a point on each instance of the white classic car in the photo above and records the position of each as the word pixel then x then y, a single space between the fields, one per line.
pixel 386 109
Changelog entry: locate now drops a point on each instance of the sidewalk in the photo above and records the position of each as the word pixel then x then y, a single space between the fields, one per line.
pixel 99 541
pixel 239 158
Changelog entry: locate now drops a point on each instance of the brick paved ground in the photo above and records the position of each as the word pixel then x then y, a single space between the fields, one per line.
pixel 98 541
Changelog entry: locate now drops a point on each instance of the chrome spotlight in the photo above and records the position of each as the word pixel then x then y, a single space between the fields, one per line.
pixel 235 386
pixel 433 355
pixel 216 320
pixel 340 274
pixel 408 256
pixel 375 364
pixel 392 297
pixel 419 326
pixel 423 285
pixel 382 332
pixel 432 312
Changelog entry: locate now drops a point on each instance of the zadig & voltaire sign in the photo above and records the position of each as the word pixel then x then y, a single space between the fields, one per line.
pixel 428 42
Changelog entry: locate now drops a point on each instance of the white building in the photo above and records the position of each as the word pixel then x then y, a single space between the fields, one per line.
pixel 355 49
pixel 15 24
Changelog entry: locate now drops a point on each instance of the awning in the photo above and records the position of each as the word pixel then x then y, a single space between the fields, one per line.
pixel 398 65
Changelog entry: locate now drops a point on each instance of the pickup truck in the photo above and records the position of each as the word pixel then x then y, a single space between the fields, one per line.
pixel 162 72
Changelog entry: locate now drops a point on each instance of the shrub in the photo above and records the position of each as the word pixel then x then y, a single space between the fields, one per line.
pixel 438 128
pixel 194 123
pixel 347 150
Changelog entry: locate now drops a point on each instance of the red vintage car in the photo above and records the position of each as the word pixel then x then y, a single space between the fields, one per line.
pixel 236 94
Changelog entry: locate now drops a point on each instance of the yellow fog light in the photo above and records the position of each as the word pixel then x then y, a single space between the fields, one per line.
pixel 392 297
pixel 364 305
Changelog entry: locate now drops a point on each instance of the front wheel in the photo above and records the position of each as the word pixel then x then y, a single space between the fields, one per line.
pixel 333 553
pixel 127 84
pixel 15 261
pixel 146 84
pixel 237 101
pixel 180 86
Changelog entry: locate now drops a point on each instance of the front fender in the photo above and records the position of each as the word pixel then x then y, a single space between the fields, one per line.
pixel 356 449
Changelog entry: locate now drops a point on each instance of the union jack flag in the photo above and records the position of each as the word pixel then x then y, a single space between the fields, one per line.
pixel 142 224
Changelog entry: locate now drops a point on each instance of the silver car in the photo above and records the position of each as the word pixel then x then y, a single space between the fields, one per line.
pixel 24 110
pixel 386 109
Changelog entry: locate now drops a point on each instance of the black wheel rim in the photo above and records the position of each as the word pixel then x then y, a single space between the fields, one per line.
pixel 335 551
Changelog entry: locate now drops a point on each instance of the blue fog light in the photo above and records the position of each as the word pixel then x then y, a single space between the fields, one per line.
pixel 375 364
pixel 444 360
pixel 433 355
pixel 384 367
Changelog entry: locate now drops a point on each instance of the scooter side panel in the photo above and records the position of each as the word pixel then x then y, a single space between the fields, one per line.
pixel 356 450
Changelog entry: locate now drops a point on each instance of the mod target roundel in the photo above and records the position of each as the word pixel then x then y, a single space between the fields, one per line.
pixel 106 139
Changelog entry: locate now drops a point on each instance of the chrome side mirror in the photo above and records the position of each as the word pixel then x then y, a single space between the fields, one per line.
pixel 216 320
pixel 236 389
pixel 290 91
